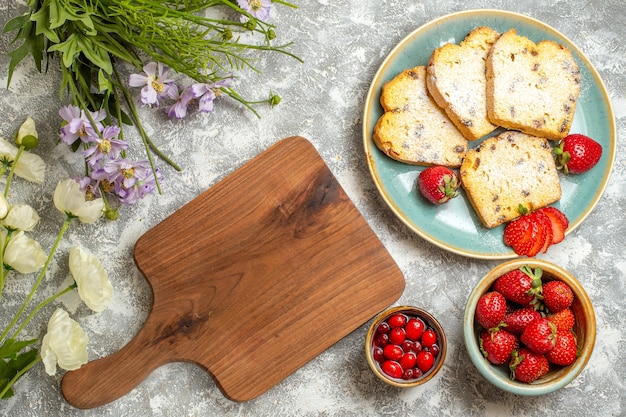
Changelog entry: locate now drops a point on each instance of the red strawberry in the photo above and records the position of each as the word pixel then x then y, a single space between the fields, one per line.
pixel 557 295
pixel 539 335
pixel 564 319
pixel 558 221
pixel 519 285
pixel 564 352
pixel 498 345
pixel 490 309
pixel 438 184
pixel 577 154
pixel 517 320
pixel 527 366
pixel 518 234
pixel 546 226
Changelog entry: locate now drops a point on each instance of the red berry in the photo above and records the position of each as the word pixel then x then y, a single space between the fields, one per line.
pixel 577 154
pixel 429 338
pixel 408 374
pixel 519 233
pixel 490 309
pixel 397 320
pixel 539 335
pixel 564 352
pixel 377 353
pixel 425 361
pixel 558 221
pixel 498 345
pixel 517 320
pixel 392 368
pixel 414 328
pixel 438 184
pixel 383 328
pixel 434 349
pixel 564 319
pixel 408 346
pixel 382 340
pixel 527 366
pixel 557 295
pixel 396 335
pixel 393 352
pixel 408 360
pixel 519 286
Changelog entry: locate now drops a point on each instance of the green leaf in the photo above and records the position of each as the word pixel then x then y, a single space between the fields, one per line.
pixel 11 347
pixel 17 55
pixel 16 23
pixel 42 23
pixel 23 360
pixel 67 49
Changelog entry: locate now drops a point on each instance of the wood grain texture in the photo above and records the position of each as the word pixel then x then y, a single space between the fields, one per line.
pixel 251 280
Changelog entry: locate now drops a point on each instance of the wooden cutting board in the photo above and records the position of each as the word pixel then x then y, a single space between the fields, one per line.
pixel 251 280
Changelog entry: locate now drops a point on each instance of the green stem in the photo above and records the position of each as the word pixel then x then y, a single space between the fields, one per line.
pixel 18 375
pixel 12 170
pixel 28 299
pixel 39 307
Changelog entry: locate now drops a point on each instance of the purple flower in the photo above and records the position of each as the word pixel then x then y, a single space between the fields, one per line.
pixel 78 124
pixel 181 102
pixel 260 9
pixel 107 146
pixel 154 83
pixel 130 180
pixel 209 92
pixel 90 187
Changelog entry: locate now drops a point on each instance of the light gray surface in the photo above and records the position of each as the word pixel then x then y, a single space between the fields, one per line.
pixel 342 43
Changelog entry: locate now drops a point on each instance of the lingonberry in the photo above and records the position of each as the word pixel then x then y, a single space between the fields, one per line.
pixel 429 338
pixel 383 328
pixel 393 352
pixel 408 346
pixel 397 320
pixel 382 340
pixel 414 328
pixel 425 361
pixel 377 352
pixel 408 360
pixel 392 368
pixel 397 335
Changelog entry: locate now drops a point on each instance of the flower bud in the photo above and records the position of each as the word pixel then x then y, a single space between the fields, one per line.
pixel 27 134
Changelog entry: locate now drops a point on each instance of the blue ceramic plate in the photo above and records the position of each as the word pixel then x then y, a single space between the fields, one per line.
pixel 454 226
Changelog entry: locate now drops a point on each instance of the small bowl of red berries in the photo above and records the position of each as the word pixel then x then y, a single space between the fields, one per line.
pixel 529 327
pixel 405 346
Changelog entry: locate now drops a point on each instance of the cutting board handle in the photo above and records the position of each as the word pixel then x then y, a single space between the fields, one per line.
pixel 107 379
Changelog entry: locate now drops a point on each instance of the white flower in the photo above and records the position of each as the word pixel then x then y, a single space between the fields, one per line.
pixel 27 129
pixel 65 344
pixel 30 166
pixel 91 278
pixel 21 217
pixel 4 206
pixel 23 253
pixel 69 198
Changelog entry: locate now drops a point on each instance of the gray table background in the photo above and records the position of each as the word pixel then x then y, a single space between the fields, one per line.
pixel 342 44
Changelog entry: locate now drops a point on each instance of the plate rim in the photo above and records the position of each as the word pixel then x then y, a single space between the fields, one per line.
pixel 368 142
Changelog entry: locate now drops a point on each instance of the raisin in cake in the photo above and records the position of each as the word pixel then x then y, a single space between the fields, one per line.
pixel 413 129
pixel 456 81
pixel 507 170
pixel 532 87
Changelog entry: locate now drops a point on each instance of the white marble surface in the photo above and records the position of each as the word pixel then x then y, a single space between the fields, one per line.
pixel 342 44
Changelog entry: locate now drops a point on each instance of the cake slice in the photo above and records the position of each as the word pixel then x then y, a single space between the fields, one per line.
pixel 507 170
pixel 413 129
pixel 532 87
pixel 456 81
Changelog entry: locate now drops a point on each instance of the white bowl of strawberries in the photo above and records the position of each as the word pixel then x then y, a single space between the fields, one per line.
pixel 529 327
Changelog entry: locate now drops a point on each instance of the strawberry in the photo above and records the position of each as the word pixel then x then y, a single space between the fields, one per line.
pixel 518 234
pixel 497 346
pixel 557 295
pixel 490 309
pixel 546 227
pixel 577 154
pixel 527 366
pixel 564 352
pixel 517 320
pixel 558 221
pixel 563 320
pixel 539 335
pixel 520 285
pixel 438 184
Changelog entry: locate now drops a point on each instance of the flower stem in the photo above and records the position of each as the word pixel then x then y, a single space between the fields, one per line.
pixel 12 170
pixel 28 299
pixel 19 374
pixel 39 307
